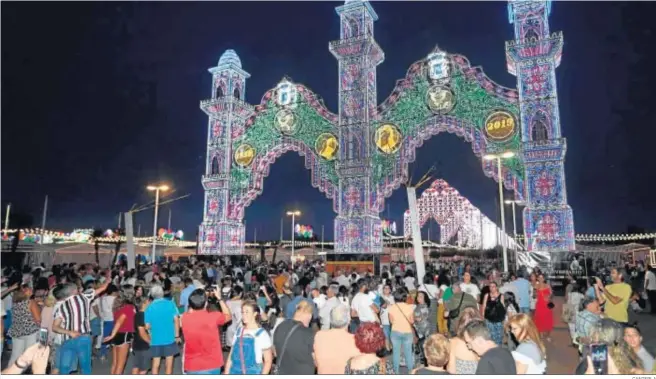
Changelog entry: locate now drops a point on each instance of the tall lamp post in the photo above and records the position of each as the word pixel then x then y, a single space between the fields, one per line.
pixel 499 157
pixel 513 203
pixel 293 214
pixel 157 189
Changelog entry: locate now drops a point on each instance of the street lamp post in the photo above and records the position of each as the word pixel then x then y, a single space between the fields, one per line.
pixel 498 157
pixel 513 203
pixel 157 189
pixel 293 214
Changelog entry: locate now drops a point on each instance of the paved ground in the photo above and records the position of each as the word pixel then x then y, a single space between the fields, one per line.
pixel 562 358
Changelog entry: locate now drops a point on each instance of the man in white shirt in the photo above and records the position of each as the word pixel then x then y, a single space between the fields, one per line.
pixel 650 288
pixel 468 287
pixel 362 306
pixel 341 279
pixel 328 306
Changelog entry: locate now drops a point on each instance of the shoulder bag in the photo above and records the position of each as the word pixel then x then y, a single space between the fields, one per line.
pixel 284 346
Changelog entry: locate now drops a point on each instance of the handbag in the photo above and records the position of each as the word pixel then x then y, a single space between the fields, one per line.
pixel 282 351
pixel 415 336
pixel 551 305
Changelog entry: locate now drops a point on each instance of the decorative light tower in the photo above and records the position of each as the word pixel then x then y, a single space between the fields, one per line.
pixel 533 57
pixel 221 232
pixel 357 225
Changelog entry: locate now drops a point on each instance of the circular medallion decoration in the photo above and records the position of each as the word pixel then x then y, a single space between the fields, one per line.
pixel 388 138
pixel 500 126
pixel 326 146
pixel 286 121
pixel 244 155
pixel 440 99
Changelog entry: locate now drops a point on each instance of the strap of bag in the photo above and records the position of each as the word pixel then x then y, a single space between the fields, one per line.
pixel 406 318
pixel 461 299
pixel 284 344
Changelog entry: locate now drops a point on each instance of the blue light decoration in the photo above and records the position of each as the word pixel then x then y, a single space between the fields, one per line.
pixel 358 155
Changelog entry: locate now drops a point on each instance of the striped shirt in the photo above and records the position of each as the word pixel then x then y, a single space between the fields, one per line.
pixel 75 313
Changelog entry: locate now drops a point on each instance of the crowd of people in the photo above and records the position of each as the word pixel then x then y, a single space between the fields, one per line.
pixel 220 316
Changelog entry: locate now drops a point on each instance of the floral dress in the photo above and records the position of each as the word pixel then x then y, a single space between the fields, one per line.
pixel 374 369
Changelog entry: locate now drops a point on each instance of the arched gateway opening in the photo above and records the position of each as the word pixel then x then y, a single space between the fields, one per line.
pixel 360 155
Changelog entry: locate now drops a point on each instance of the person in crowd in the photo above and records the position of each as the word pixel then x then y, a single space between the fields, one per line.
pixel 71 320
pixel 335 346
pixel 163 322
pixel 533 280
pixel 650 288
pixel 444 285
pixel 370 341
pixel 47 318
pixel 235 305
pixel 387 300
pixel 186 292
pixel 470 288
pixel 494 359
pixel 458 301
pixel 106 304
pixel 437 350
pixel 637 303
pixel 363 308
pixel 344 296
pixel 531 354
pixel 573 299
pixel 463 361
pixel 26 322
pixel 298 296
pixel 615 296
pixel 494 312
pixel 141 343
pixel 331 303
pixel 588 316
pixel 401 316
pixel 409 280
pixel 202 352
pixel 633 337
pixel 122 334
pixel 422 321
pixel 95 318
pixel 624 359
pixel 293 343
pixel 433 295
pixel 251 345
pixel 35 357
pixel 543 316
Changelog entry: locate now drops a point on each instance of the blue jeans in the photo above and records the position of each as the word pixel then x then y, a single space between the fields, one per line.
pixel 402 341
pixel 213 371
pixel 526 311
pixel 387 329
pixel 107 331
pixel 75 349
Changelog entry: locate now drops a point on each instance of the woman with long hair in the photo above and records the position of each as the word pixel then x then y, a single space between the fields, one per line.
pixel 122 332
pixel 574 297
pixel 543 316
pixel 494 312
pixel 251 346
pixel 422 322
pixel 621 358
pixel 463 361
pixel 26 322
pixel 633 337
pixel 235 304
pixel 531 354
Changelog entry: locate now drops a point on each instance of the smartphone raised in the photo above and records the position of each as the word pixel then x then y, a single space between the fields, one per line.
pixel 43 336
pixel 599 356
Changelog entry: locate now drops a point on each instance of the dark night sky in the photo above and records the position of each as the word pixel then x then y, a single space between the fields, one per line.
pixel 99 99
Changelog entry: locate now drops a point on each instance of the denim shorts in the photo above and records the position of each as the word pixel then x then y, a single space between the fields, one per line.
pixel 142 359
pixel 214 371
pixel 164 350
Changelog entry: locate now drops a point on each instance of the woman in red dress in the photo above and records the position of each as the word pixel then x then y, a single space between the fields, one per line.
pixel 543 315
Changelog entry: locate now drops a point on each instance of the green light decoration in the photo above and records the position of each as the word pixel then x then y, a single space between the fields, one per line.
pixel 264 136
pixel 473 104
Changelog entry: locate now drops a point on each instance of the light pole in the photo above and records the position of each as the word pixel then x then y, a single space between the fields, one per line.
pixel 515 202
pixel 293 214
pixel 498 157
pixel 157 189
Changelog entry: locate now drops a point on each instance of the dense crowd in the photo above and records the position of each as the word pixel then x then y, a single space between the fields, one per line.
pixel 247 318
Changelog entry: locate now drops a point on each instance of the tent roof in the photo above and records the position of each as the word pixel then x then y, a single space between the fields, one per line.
pixel 625 248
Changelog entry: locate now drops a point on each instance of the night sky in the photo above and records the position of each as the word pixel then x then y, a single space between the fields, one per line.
pixel 99 99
